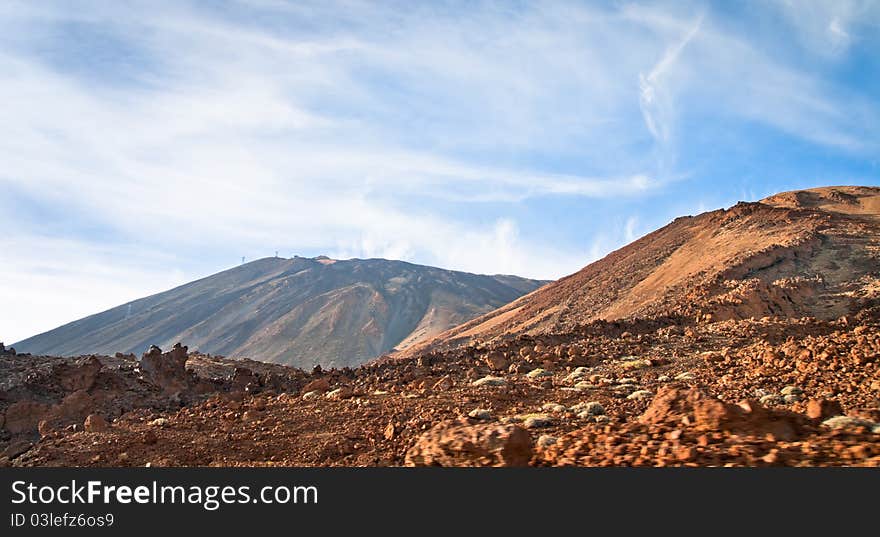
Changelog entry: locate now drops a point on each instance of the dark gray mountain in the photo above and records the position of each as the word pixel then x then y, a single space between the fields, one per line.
pixel 300 312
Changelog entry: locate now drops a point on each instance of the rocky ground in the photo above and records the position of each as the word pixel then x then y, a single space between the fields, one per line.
pixel 798 392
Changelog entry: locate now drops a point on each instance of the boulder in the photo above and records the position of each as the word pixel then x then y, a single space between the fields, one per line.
pixel 822 409
pixel 80 375
pixel 166 370
pixel 458 443
pixel 245 380
pixel 674 405
pixel 537 421
pixel 588 408
pixel 343 392
pixel 24 416
pixel 16 449
pixel 72 410
pixel 496 361
pixel 480 414
pixel 538 373
pixel 848 422
pixel 490 381
pixel 545 441
pixel 318 385
pixel 94 423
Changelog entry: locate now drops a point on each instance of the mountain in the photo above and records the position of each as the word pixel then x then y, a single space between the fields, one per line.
pixel 804 253
pixel 300 311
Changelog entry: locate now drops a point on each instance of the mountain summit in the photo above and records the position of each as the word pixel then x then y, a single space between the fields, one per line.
pixel 301 312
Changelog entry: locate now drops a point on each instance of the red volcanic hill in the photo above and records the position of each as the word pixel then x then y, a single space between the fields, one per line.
pixel 804 253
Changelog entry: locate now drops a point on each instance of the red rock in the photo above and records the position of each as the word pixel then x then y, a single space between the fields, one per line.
pixel 669 405
pixel 24 416
pixel 94 423
pixel 78 376
pixel 46 427
pixel 675 405
pixel 820 409
pixel 772 457
pixel 74 407
pixel 244 379
pixel 150 438
pixel 317 385
pixel 685 453
pixel 496 361
pixel 458 443
pixel 389 431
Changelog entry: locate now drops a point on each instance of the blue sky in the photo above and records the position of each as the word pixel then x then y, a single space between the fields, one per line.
pixel 145 144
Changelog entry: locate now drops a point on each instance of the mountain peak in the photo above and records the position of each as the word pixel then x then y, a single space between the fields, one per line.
pixel 285 311
pixel 859 201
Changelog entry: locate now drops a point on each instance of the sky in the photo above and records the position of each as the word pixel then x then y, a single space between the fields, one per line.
pixel 147 144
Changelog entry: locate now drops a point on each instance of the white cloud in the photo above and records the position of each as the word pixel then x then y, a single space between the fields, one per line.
pixel 840 38
pixel 630 229
pixel 313 127
pixel 829 27
pixel 654 100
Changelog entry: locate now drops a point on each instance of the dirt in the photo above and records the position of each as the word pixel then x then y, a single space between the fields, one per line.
pixel 390 406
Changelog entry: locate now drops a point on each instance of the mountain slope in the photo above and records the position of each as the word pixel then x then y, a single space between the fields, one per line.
pixel 298 311
pixel 806 253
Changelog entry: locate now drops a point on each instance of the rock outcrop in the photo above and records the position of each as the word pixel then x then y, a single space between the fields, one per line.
pixel 461 443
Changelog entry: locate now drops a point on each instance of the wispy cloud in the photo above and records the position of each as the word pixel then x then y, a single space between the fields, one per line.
pixel 829 27
pixel 655 103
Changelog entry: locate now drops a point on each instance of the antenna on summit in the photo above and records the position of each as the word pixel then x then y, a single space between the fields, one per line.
pixel 242 260
pixel 276 254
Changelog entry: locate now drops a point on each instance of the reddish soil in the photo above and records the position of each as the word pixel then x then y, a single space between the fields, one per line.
pixel 385 408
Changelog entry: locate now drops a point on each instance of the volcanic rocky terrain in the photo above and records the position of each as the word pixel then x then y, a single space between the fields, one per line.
pixel 740 337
